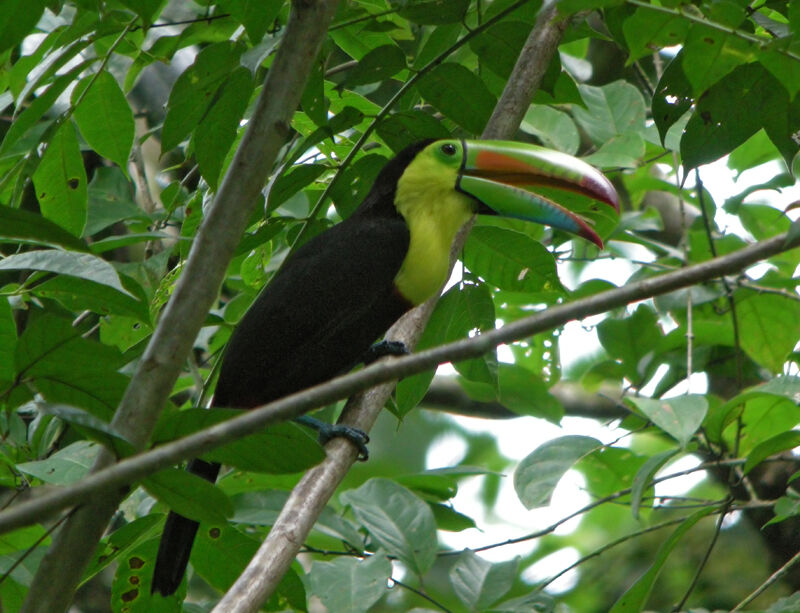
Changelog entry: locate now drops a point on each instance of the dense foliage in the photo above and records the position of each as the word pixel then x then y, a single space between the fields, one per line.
pixel 120 119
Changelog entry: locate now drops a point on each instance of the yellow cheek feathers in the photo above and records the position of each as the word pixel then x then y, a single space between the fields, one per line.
pixel 434 212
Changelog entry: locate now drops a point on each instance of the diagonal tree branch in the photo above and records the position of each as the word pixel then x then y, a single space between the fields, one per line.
pixel 61 569
pixel 136 467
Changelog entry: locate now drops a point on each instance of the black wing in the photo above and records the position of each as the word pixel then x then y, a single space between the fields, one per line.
pixel 319 314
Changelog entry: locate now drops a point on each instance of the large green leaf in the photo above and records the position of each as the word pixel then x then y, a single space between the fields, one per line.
pixel 65 466
pixel 717 126
pixel 350 584
pixel 672 98
pixel 680 417
pixel 379 64
pixel 769 326
pixel 631 340
pixel 60 181
pixel 217 129
pixel 459 311
pixel 189 495
pixel 510 260
pixel 81 265
pixel 104 117
pixel 21 226
pixel 8 341
pixel 257 16
pixel 538 474
pixel 399 521
pixel 709 54
pixel 459 95
pixel 21 16
pixel 195 91
pixel 432 12
pixel 479 583
pixel 281 448
pixel 611 110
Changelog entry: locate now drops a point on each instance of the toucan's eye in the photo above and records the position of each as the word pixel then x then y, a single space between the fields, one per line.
pixel 448 149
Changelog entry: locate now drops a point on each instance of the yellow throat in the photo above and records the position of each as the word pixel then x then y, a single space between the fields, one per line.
pixel 434 211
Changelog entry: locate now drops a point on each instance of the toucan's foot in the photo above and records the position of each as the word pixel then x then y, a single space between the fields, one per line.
pixel 326 432
pixel 384 348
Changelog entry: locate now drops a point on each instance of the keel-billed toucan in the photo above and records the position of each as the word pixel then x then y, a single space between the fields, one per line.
pixel 340 292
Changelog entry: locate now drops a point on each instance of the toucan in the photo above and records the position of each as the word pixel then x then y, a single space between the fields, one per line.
pixel 338 294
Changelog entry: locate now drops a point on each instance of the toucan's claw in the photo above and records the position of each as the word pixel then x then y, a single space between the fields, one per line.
pixel 384 348
pixel 326 432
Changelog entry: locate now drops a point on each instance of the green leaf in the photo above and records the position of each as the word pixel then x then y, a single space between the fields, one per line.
pixel 538 474
pixel 717 127
pixel 611 110
pixel 785 508
pixel 499 45
pixel 122 541
pixel 608 470
pixel 148 10
pixel 623 151
pixel 21 17
pixel 60 181
pixel 458 312
pixel 510 260
pixel 447 518
pixel 431 12
pixel 68 369
pixel 195 91
pixel 280 449
pixel 65 466
pixel 111 200
pixel 526 393
pixel 217 130
pixel 91 427
pixel 104 117
pixel 769 326
pixel 220 553
pixel 21 226
pixel 189 495
pixel 776 444
pixel 257 16
pixel 459 95
pixel 680 417
pixel 29 118
pixel 784 68
pixel 569 7
pixel 399 130
pixel 644 476
pixel 81 265
pixel 22 539
pixel 647 30
pixel 379 64
pixel 80 295
pixel 290 183
pixel 710 54
pixel 350 584
pixel 479 583
pixel 554 128
pixel 632 340
pixel 672 98
pixel 398 521
pixel 635 598
pixel 8 341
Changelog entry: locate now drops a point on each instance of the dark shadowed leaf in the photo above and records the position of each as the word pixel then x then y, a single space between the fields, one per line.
pixel 538 474
pixel 459 95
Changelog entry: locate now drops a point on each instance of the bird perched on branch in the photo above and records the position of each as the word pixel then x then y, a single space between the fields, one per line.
pixel 340 292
